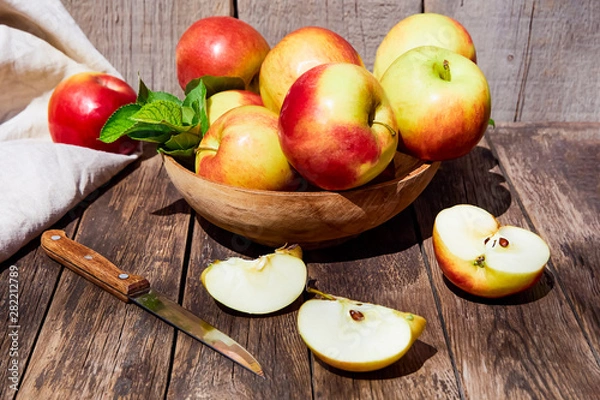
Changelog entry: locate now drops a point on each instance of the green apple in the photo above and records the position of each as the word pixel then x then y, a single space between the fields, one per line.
pixel 356 336
pixel 336 126
pixel 241 148
pixel 295 54
pixel 220 46
pixel 482 257
pixel 263 285
pixel 221 102
pixel 441 101
pixel 424 29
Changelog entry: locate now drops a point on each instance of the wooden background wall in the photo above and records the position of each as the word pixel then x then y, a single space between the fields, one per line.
pixel 541 57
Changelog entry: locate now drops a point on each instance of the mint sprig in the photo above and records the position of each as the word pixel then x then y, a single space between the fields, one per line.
pixel 176 126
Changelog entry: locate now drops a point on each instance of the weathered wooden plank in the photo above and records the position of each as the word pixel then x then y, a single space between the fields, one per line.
pixel 273 339
pixel 554 170
pixel 384 266
pixel 35 285
pixel 92 343
pixel 538 55
pixel 362 23
pixel 511 347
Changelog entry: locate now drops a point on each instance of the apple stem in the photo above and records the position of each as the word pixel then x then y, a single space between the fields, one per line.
pixel 389 128
pixel 318 292
pixel 202 148
pixel 445 71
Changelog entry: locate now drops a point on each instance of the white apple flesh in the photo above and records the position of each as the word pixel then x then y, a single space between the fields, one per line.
pixel 356 336
pixel 484 258
pixel 263 285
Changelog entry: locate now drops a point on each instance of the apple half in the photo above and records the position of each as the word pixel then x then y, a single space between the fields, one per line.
pixel 356 336
pixel 482 257
pixel 263 285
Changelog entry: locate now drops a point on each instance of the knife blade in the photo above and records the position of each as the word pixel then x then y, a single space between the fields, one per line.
pixel 134 288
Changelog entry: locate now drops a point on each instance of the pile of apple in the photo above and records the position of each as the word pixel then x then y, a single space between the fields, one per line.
pixel 320 115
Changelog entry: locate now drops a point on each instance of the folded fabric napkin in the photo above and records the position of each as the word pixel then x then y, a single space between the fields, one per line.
pixel 40 181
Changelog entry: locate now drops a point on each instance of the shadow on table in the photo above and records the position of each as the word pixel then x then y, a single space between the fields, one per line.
pixel 472 179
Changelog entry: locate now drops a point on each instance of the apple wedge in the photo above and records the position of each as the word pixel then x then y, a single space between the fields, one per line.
pixel 482 257
pixel 259 286
pixel 356 336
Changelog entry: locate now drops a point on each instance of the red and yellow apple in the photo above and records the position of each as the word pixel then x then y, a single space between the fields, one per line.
pixel 295 54
pixel 220 46
pixel 441 101
pixel 484 258
pixel 241 148
pixel 81 104
pixel 354 335
pixel 424 29
pixel 336 126
pixel 221 102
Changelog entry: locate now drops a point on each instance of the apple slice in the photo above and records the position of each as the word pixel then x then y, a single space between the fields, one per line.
pixel 355 336
pixel 482 257
pixel 260 286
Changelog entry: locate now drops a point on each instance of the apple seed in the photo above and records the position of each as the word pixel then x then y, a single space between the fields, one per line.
pixel 357 315
pixel 503 242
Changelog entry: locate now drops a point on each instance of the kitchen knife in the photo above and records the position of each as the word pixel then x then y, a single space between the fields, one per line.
pixel 127 287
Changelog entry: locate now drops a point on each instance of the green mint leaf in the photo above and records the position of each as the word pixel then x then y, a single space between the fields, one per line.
pixel 189 116
pixel 182 141
pixel 216 84
pixel 178 152
pixel 155 96
pixel 160 112
pixel 149 135
pixel 492 123
pixel 146 95
pixel 143 93
pixel 196 100
pixel 119 123
pixel 184 157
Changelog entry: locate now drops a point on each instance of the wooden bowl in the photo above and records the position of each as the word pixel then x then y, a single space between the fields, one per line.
pixel 313 218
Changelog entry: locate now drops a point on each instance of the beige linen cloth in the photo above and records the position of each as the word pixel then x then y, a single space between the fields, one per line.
pixel 40 181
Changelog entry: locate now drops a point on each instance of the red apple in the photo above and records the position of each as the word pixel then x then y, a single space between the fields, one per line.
pixel 221 102
pixel 337 127
pixel 220 46
pixel 424 29
pixel 241 148
pixel 80 106
pixel 441 101
pixel 295 54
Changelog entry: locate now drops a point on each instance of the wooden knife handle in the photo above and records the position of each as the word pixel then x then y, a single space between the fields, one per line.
pixel 92 266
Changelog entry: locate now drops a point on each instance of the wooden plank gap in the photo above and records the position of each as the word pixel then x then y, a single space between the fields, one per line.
pixel 526 64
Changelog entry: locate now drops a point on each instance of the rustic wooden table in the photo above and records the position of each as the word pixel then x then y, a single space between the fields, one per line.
pixel 76 341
